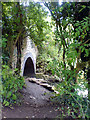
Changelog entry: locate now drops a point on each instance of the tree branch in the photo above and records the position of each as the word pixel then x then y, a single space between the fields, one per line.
pixel 18 37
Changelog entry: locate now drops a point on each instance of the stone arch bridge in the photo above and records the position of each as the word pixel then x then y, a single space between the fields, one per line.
pixel 28 58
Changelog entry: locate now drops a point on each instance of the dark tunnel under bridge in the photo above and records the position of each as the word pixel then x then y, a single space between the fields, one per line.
pixel 29 70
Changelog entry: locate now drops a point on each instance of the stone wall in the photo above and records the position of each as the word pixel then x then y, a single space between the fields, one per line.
pixel 28 50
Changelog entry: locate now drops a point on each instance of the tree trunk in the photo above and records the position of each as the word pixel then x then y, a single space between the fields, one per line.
pixel 19 41
pixel 10 47
pixel 19 54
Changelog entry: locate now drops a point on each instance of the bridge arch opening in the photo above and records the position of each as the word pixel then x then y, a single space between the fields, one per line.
pixel 29 68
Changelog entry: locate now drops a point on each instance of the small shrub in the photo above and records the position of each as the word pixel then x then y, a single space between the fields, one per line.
pixel 11 84
pixel 73 104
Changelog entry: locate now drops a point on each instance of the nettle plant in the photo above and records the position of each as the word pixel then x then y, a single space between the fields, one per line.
pixel 11 84
pixel 69 68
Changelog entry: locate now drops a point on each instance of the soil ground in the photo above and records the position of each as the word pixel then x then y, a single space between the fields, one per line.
pixel 36 103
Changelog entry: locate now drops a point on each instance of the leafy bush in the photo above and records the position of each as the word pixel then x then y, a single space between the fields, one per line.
pixel 73 104
pixel 11 84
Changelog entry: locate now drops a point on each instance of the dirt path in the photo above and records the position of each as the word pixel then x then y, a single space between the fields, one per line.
pixel 36 104
pixel 31 112
pixel 35 94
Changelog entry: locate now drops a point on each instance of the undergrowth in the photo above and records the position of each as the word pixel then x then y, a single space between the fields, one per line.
pixel 11 85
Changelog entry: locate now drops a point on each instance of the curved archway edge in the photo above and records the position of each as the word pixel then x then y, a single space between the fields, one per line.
pixel 24 61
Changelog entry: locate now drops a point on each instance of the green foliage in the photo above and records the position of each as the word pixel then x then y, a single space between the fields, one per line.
pixel 71 40
pixel 4 42
pixel 11 84
pixel 5 55
pixel 36 23
pixel 73 104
